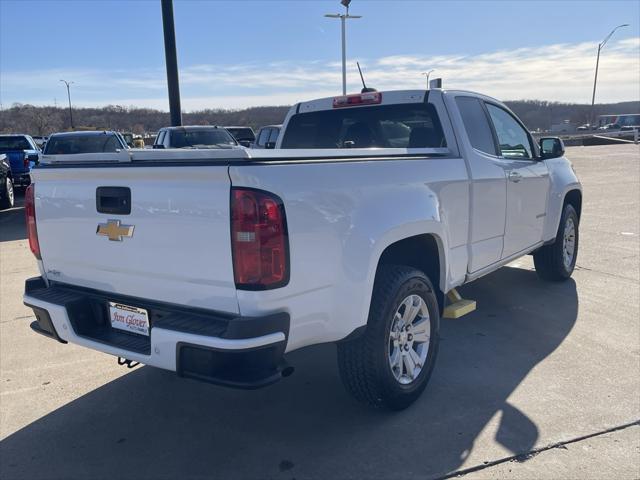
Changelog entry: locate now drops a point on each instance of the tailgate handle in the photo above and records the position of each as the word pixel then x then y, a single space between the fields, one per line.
pixel 115 200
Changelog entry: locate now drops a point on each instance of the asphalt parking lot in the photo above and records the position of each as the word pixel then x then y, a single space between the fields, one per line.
pixel 542 381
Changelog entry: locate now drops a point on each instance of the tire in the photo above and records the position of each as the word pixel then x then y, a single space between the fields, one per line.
pixel 555 262
pixel 365 362
pixel 7 200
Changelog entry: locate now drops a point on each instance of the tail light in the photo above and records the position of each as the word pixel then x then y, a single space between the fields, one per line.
pixel 30 212
pixel 259 240
pixel 26 161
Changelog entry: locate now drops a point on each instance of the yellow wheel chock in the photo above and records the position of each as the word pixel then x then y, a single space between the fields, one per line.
pixel 459 306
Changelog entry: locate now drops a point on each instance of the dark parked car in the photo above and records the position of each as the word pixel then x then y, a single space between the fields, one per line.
pixel 70 143
pixel 196 136
pixel 6 183
pixel 267 136
pixel 22 153
pixel 244 135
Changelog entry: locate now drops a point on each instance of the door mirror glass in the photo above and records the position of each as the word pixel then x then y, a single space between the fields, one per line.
pixel 551 147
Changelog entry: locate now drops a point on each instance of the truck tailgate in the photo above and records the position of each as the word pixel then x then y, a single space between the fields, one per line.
pixel 178 250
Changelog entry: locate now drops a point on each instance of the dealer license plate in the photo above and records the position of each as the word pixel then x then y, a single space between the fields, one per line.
pixel 129 319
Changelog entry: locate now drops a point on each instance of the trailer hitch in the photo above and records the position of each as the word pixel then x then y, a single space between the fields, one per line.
pixel 127 362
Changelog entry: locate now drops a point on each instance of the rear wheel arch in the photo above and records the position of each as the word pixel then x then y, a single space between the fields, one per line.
pixel 423 252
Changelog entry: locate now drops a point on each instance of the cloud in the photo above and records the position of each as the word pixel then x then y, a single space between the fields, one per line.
pixel 559 72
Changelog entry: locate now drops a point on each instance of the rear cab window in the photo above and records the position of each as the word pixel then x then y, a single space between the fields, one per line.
pixel 408 125
pixel 75 144
pixel 201 137
pixel 15 142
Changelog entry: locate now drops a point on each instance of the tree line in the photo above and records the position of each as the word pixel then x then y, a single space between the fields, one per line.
pixel 44 120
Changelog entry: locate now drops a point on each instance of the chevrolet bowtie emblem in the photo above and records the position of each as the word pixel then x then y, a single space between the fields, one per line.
pixel 114 230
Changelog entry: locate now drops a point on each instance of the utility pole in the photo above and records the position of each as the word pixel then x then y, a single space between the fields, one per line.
pixel 595 79
pixel 69 97
pixel 171 60
pixel 343 19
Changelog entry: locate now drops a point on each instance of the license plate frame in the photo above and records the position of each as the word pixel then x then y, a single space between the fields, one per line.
pixel 128 318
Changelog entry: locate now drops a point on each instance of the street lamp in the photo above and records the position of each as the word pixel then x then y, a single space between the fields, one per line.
pixel 427 75
pixel 343 18
pixel 69 97
pixel 595 80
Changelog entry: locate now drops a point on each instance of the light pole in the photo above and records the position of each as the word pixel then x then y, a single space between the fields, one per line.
pixel 343 18
pixel 69 97
pixel 171 60
pixel 427 75
pixel 595 79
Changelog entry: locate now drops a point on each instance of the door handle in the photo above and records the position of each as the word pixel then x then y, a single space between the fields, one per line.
pixel 514 176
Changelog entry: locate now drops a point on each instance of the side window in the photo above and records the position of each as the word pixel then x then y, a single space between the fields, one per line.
pixel 160 137
pixel 476 124
pixel 274 135
pixel 513 139
pixel 111 144
pixel 262 138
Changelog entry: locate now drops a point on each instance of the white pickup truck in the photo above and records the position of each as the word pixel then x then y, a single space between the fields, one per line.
pixel 374 206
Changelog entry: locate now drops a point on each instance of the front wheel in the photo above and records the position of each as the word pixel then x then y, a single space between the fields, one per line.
pixel 390 364
pixel 8 198
pixel 555 262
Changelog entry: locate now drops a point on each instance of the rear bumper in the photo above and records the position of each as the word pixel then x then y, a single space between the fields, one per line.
pixel 242 352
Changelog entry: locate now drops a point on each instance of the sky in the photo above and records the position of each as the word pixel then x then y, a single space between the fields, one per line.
pixel 236 54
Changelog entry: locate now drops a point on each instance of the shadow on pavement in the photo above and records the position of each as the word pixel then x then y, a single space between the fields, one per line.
pixel 12 225
pixel 151 424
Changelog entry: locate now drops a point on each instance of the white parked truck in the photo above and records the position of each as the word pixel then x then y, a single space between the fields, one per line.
pixel 374 207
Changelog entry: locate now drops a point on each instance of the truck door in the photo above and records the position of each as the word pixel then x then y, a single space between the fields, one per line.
pixel 527 183
pixel 488 185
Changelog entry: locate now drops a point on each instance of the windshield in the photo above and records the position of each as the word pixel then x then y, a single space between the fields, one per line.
pixel 242 133
pixel 414 125
pixel 18 142
pixel 72 144
pixel 201 138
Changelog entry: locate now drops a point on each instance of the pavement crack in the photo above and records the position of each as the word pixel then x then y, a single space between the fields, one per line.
pixel 607 274
pixel 522 457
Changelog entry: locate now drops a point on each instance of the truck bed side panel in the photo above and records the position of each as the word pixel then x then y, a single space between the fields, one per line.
pixel 341 216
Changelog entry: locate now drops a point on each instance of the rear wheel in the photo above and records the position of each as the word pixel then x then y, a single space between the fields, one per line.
pixel 555 262
pixel 390 364
pixel 8 198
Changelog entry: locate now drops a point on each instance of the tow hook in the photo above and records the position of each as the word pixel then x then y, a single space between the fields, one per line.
pixel 127 362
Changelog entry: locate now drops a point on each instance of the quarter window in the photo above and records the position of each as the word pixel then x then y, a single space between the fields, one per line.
pixel 513 139
pixel 476 124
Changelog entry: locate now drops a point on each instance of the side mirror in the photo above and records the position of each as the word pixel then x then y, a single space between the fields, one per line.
pixel 551 147
pixel 32 157
pixel 245 143
pixel 158 145
pixel 270 145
